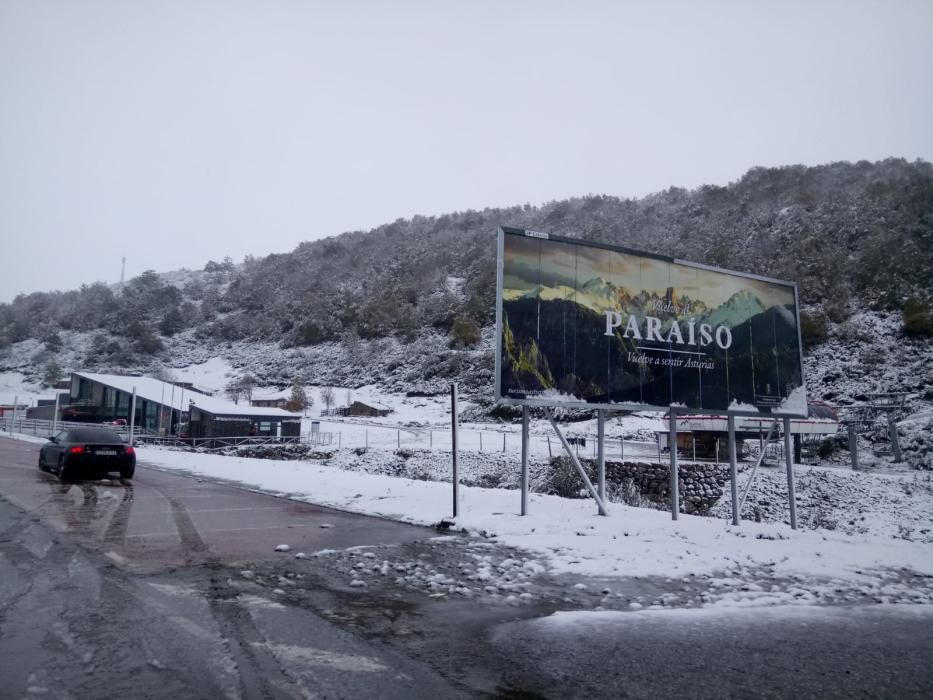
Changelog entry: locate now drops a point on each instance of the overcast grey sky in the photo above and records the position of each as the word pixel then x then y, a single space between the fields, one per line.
pixel 178 132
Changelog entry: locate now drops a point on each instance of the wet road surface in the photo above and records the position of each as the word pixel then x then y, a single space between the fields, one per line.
pixel 160 519
pixel 167 586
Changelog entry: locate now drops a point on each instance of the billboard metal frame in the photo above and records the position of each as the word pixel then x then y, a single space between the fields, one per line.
pixel 627 407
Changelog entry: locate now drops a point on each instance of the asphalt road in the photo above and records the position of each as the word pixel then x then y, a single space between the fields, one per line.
pixel 133 589
pixel 167 586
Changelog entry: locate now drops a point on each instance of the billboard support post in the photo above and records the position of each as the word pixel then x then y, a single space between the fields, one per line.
pixel 524 460
pixel 733 471
pixel 892 431
pixel 576 463
pixel 675 486
pixel 601 453
pixel 453 445
pixel 853 447
pixel 789 460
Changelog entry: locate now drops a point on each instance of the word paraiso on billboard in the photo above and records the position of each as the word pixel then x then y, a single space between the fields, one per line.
pixel 699 335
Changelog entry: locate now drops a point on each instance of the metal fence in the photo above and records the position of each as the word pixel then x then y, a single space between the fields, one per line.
pixel 40 427
pixel 44 428
pixel 358 435
pixel 221 443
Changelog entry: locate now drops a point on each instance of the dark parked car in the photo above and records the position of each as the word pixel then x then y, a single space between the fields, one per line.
pixel 87 450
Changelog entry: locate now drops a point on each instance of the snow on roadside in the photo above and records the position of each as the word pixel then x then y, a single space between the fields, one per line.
pixel 895 505
pixel 568 535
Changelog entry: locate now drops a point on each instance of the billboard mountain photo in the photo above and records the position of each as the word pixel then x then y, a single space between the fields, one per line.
pixel 646 331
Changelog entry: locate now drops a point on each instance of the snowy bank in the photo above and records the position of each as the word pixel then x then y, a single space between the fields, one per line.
pixel 569 534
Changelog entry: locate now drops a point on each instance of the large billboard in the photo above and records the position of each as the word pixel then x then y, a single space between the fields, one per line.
pixel 597 326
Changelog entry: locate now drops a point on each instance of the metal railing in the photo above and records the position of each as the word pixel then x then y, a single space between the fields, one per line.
pixel 221 443
pixel 42 427
pixel 371 437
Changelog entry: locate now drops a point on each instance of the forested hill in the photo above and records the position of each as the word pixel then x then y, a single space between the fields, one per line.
pixel 845 232
pixel 854 236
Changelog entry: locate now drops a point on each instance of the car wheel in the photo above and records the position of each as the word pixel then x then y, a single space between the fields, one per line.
pixel 42 466
pixel 63 473
pixel 127 472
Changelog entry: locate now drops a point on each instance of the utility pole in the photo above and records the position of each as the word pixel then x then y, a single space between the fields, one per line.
pixel 122 271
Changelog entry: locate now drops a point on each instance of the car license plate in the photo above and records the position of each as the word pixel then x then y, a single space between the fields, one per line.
pixel 106 452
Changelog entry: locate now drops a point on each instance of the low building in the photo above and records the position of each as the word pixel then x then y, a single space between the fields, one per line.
pixel 45 408
pixel 271 398
pixel 269 403
pixel 210 420
pixel 373 410
pixel 166 409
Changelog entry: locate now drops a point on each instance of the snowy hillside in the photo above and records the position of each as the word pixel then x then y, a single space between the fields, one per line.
pixel 408 307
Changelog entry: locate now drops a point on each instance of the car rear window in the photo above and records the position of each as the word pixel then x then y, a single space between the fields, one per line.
pixel 94 435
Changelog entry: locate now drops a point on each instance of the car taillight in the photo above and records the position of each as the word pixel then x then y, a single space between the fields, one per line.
pixel 77 450
pixel 129 451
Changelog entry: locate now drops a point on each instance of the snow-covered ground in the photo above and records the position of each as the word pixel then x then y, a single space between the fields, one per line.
pixel 15 386
pixel 753 564
pixel 568 536
pixel 863 536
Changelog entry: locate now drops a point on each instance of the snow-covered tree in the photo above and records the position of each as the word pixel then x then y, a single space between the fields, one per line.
pixel 248 385
pixel 299 396
pixel 52 374
pixel 327 396
pixel 234 390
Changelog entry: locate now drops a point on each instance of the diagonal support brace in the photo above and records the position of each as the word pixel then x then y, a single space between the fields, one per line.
pixel 761 456
pixel 576 463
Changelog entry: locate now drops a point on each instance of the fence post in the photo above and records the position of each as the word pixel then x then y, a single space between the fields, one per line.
pixel 133 416
pixel 162 410
pixel 55 415
pixel 398 439
pixel 431 438
pixel 503 442
pixel 13 417
pixel 480 440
